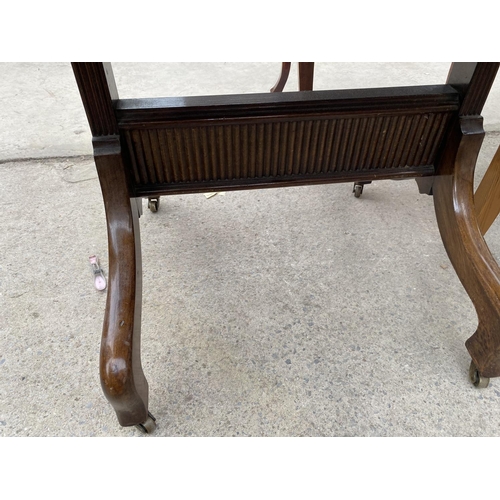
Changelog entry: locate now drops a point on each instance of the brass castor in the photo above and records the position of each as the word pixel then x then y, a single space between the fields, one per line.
pixel 357 189
pixel 476 378
pixel 154 204
pixel 149 426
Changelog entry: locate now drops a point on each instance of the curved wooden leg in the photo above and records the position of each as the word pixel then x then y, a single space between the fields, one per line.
pixel 122 377
pixel 487 196
pixel 306 76
pixel 285 72
pixel 467 250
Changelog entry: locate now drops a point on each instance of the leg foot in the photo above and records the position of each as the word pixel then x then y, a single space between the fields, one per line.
pixel 149 426
pixel 285 71
pixel 154 204
pixel 357 189
pixel 476 378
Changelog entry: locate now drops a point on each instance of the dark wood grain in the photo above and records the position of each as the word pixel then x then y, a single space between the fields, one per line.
pixel 156 146
pixel 148 111
pixel 456 215
pixel 98 90
pixel 467 250
pixel 306 75
pixel 282 79
pixel 300 148
pixel 122 377
pixel 247 141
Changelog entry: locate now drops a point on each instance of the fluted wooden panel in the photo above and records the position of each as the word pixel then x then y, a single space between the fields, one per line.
pixel 282 148
pixel 479 88
pixel 98 90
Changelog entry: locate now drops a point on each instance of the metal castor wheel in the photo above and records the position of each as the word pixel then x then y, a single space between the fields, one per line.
pixel 357 189
pixel 476 378
pixel 154 204
pixel 149 426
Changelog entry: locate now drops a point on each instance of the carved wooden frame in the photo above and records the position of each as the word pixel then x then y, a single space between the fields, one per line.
pixel 152 147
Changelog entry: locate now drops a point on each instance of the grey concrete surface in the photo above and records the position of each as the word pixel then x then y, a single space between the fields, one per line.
pixel 287 312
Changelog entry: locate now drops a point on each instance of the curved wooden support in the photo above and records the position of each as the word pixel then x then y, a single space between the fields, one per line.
pixel 285 72
pixel 462 238
pixel 306 76
pixel 487 196
pixel 122 377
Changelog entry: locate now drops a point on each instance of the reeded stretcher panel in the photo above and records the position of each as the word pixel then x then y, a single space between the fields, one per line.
pixel 198 143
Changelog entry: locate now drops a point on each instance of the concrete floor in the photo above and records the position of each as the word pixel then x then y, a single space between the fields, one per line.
pixel 286 312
